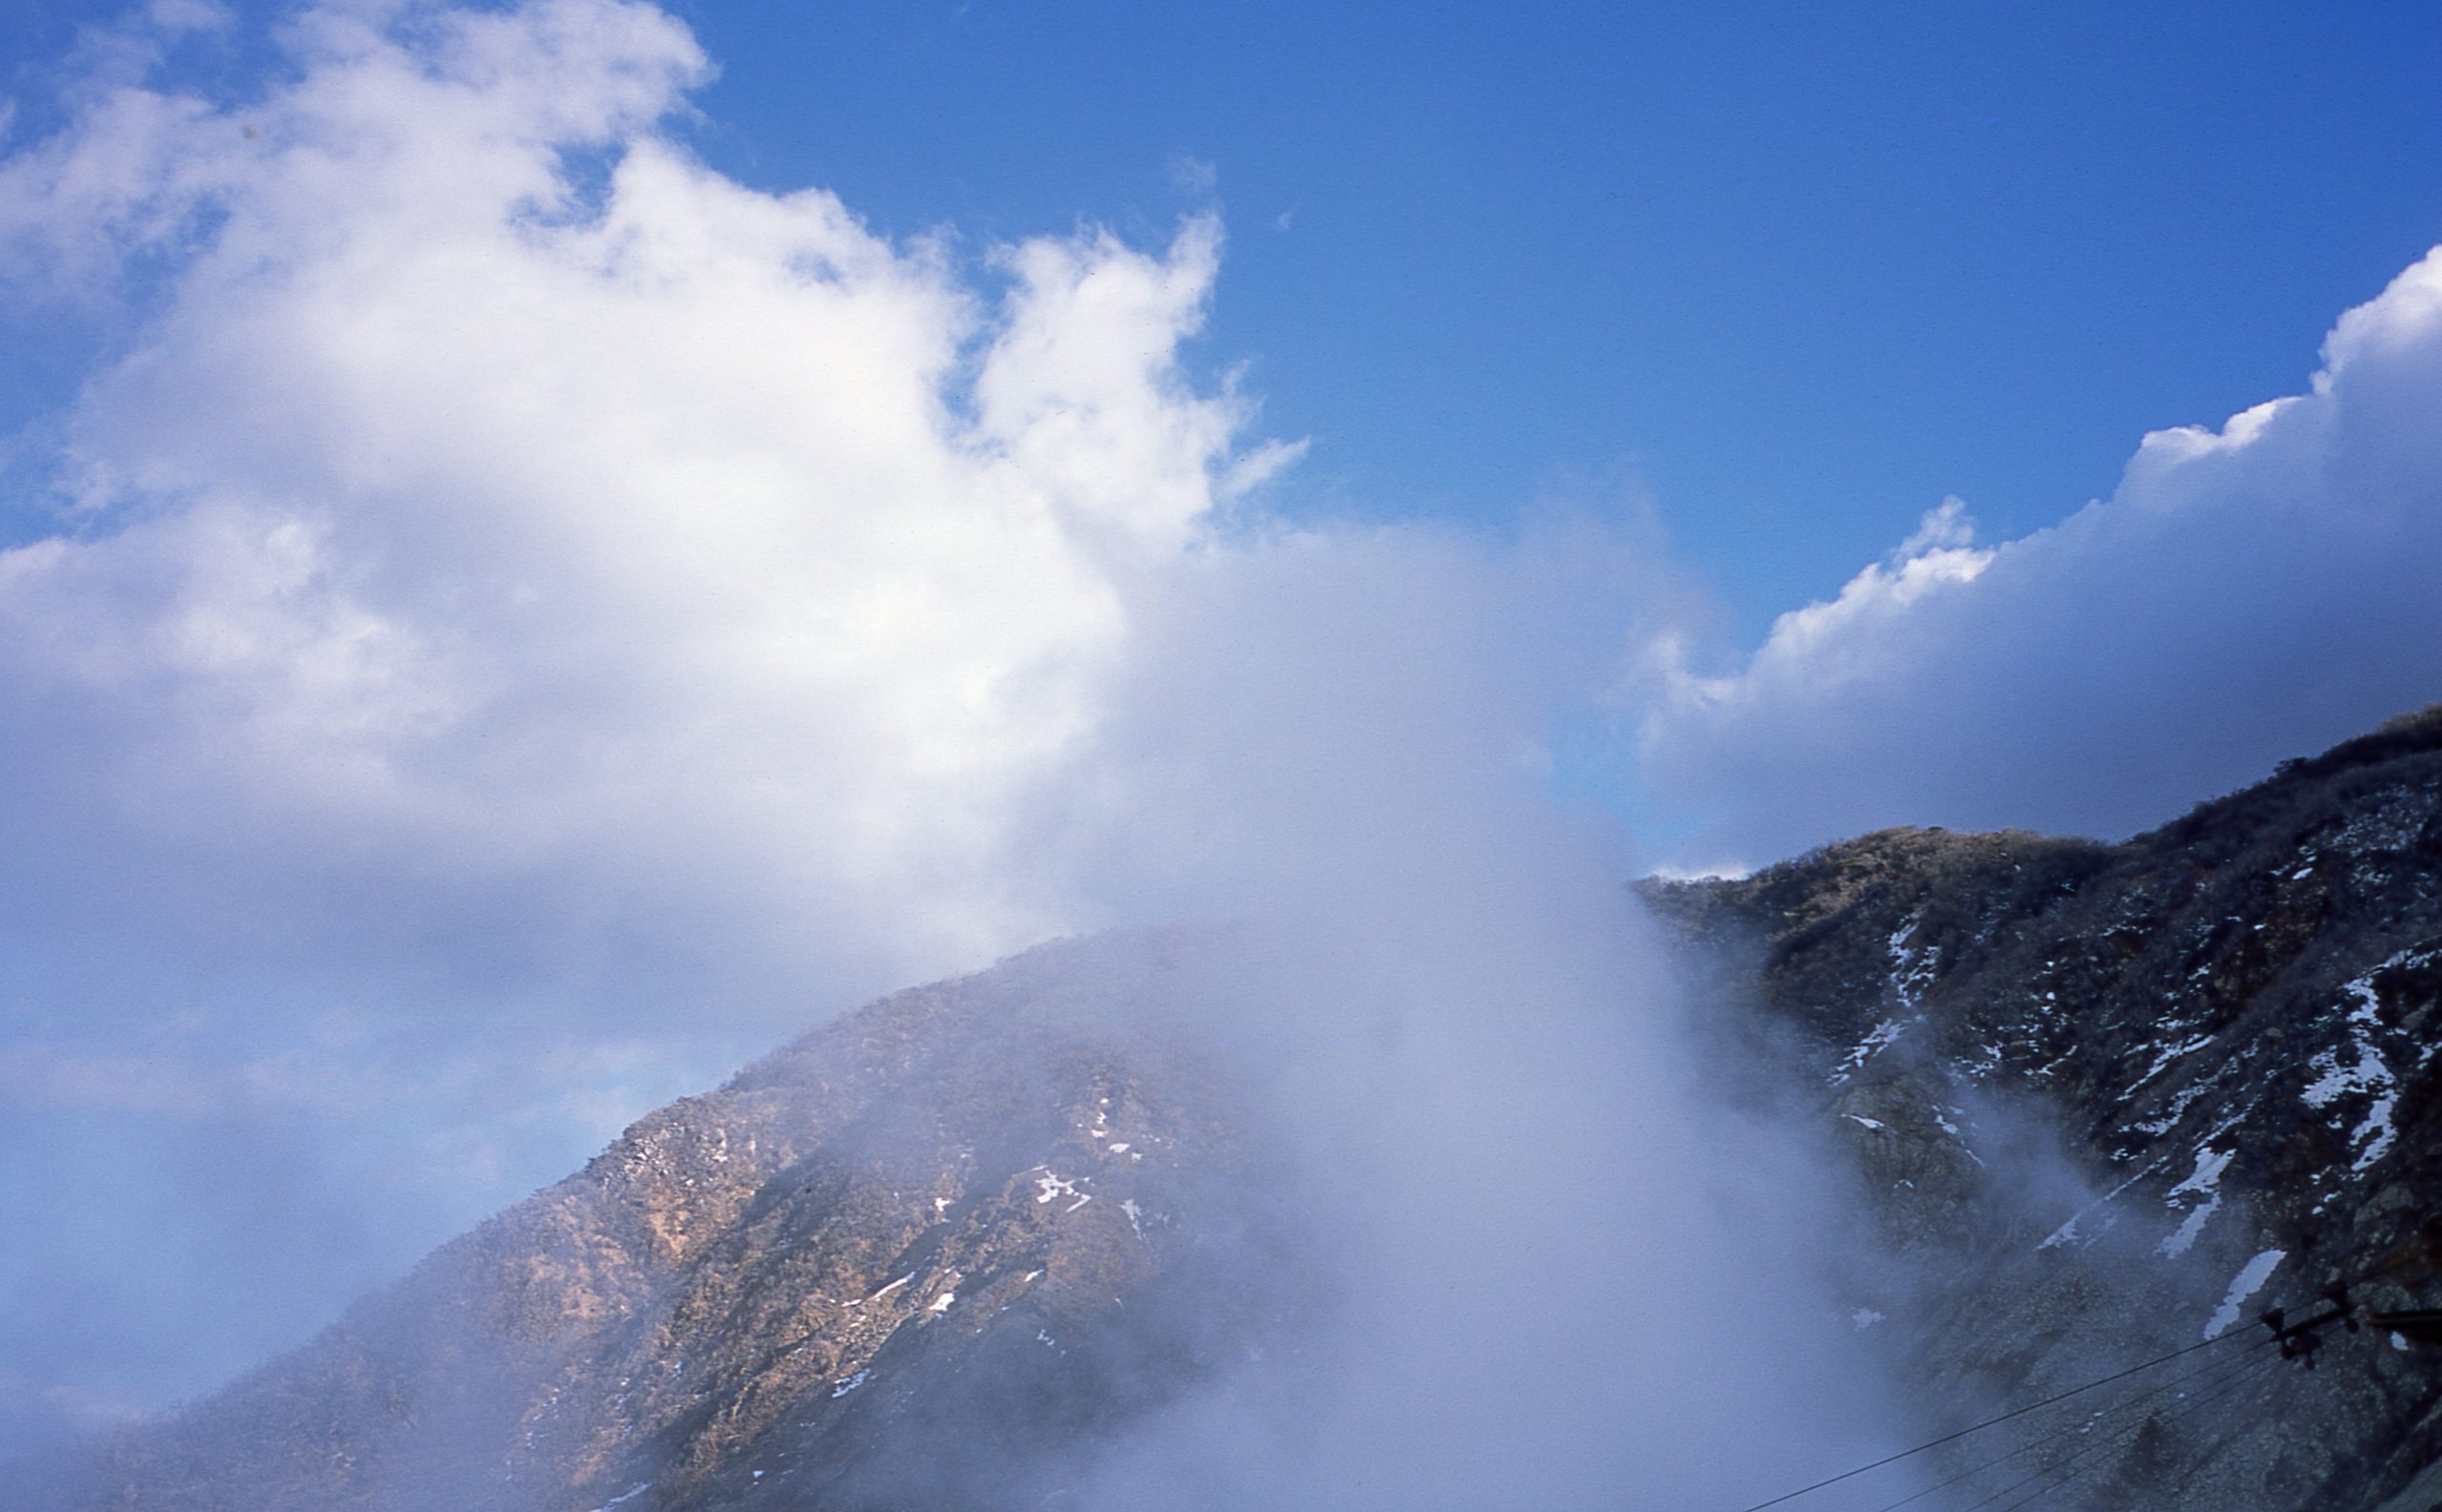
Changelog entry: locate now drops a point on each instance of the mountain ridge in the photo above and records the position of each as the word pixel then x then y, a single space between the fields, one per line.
pixel 929 1252
pixel 742 1273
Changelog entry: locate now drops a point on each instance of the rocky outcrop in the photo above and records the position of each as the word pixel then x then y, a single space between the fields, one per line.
pixel 2107 1099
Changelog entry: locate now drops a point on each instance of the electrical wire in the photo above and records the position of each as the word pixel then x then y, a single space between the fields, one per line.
pixel 2254 1369
pixel 1993 1422
pixel 2214 1367
pixel 2229 1382
pixel 2059 1396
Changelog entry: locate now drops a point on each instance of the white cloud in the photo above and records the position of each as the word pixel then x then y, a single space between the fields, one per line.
pixel 490 530
pixel 519 589
pixel 535 622
pixel 2246 595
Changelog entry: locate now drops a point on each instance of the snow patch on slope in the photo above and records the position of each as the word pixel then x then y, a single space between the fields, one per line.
pixel 2246 1284
pixel 2206 1182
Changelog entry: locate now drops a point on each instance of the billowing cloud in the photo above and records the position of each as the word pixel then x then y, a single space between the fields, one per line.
pixel 2245 594
pixel 528 621
pixel 478 521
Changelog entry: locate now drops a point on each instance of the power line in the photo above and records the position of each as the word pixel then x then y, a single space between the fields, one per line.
pixel 1989 1422
pixel 2085 1425
pixel 2342 1311
pixel 2231 1378
pixel 2224 1388
pixel 2058 1472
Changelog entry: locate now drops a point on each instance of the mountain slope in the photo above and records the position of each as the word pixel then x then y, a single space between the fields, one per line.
pixel 2103 1102
pixel 881 1267
pixel 2106 1098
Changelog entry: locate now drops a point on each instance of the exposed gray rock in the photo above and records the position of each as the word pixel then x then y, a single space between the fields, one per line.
pixel 2106 1098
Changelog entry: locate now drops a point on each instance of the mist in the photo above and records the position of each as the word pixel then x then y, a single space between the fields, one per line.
pixel 516 623
pixel 1558 1266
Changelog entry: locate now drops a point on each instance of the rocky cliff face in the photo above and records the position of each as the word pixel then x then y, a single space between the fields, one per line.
pixel 2111 1100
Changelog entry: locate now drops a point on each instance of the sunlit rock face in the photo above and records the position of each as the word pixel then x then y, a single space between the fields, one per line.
pixel 910 1260
pixel 2110 1099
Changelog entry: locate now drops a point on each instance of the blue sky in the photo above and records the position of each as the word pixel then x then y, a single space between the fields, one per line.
pixel 1799 270
pixel 530 569
pixel 1796 271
